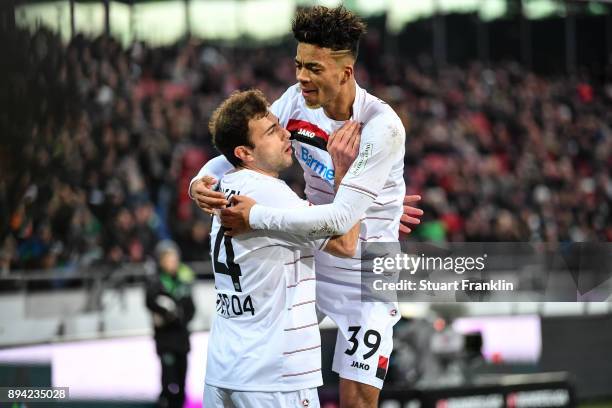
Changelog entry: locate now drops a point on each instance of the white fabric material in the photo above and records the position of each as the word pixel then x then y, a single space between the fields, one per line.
pixel 215 397
pixel 373 319
pixel 264 336
pixel 319 220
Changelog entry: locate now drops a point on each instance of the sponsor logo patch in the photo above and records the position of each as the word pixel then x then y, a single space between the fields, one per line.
pixel 361 160
pixel 315 165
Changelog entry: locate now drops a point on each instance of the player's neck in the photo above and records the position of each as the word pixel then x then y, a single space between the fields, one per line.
pixel 258 169
pixel 341 108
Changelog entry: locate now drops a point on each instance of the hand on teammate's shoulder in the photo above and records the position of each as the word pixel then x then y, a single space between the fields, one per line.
pixel 205 197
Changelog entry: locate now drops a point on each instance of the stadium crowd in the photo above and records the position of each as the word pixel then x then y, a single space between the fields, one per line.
pixel 498 153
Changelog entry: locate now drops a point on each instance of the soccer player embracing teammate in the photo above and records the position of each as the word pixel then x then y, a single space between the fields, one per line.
pixel 327 100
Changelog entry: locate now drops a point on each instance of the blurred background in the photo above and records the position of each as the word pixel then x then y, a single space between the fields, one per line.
pixel 104 108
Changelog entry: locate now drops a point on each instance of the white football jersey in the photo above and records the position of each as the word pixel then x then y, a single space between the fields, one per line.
pixel 265 335
pixel 377 172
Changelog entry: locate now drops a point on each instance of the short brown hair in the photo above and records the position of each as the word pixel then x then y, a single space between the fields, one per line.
pixel 229 124
pixel 336 28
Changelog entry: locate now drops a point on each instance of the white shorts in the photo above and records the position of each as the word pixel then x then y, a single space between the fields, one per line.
pixel 215 397
pixel 365 334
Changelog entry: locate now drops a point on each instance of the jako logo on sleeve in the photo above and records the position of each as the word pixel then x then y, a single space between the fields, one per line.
pixel 316 166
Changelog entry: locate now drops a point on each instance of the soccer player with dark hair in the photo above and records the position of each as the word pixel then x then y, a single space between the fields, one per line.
pixel 264 348
pixel 326 100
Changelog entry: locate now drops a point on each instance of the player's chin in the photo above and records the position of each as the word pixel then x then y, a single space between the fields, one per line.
pixel 312 101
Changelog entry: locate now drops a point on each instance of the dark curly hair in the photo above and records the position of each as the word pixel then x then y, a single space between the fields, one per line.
pixel 229 123
pixel 336 28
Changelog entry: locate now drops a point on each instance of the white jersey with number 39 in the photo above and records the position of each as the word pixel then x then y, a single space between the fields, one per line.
pixel 365 338
pixel 265 335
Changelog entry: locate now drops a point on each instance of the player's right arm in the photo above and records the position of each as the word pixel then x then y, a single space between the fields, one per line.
pixel 202 185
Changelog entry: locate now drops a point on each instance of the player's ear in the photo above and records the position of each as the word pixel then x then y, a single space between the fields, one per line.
pixel 243 153
pixel 347 73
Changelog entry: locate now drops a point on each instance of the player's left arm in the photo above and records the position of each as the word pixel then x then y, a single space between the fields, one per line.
pixel 382 144
pixel 343 146
pixel 370 171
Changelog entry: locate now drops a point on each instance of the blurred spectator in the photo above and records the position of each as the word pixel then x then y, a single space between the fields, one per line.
pixel 169 299
pixel 195 245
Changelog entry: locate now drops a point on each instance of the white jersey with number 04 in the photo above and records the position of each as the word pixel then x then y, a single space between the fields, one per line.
pixel 265 335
